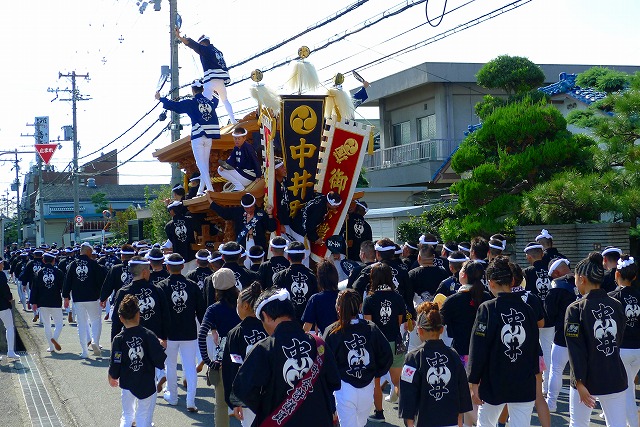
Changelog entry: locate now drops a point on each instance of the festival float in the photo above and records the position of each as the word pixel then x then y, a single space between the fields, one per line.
pixel 322 147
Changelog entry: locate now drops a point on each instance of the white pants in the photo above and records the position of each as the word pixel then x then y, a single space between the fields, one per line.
pixel 187 350
pixel 631 360
pixel 247 417
pixel 519 414
pixel 546 341
pixel 89 316
pixel 21 294
pixel 46 314
pixel 559 360
pixel 613 406
pixel 138 410
pixel 201 148
pixel 353 404
pixel 7 320
pixel 234 177
pixel 220 88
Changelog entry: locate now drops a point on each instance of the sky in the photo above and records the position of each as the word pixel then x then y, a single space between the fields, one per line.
pixel 123 50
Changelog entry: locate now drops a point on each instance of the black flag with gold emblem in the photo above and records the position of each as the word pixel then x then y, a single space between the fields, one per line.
pixel 301 129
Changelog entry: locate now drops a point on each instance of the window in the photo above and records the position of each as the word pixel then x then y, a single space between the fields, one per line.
pixel 427 127
pixel 401 133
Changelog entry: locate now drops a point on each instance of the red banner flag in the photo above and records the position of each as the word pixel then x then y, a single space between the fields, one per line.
pixel 338 171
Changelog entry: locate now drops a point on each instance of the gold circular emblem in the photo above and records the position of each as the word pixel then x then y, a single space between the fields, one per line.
pixel 304 52
pixel 303 120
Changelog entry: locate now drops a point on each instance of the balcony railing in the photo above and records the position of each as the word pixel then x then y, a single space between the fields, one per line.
pixel 415 152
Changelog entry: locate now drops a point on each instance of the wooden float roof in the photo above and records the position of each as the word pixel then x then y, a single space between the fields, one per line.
pixel 180 151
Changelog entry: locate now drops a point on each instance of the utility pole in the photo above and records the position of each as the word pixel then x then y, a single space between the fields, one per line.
pixel 75 96
pixel 176 174
pixel 19 225
pixel 41 125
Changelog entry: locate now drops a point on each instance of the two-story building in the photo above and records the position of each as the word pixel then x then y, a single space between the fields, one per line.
pixel 424 112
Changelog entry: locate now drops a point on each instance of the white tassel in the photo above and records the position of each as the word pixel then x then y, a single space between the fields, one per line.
pixel 303 77
pixel 266 97
pixel 339 100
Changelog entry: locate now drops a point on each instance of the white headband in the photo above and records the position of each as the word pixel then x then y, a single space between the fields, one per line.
pixel 423 241
pixel 283 246
pixel 195 178
pixel 177 187
pixel 295 251
pixel 626 263
pixel 239 133
pixel 169 262
pixel 279 164
pixel 197 83
pixel 463 249
pixel 497 247
pixel 544 234
pixel 398 251
pixel 281 295
pixel 48 255
pixel 202 38
pixel 254 256
pixel 410 246
pixel 201 258
pixel 127 252
pixel 366 209
pixel 332 203
pixel 173 204
pixel 212 260
pixel 379 248
pixel 139 262
pixel 556 264
pixel 450 259
pixel 236 252
pixel 447 248
pixel 252 203
pixel 528 248
pixel 609 250
pixel 153 258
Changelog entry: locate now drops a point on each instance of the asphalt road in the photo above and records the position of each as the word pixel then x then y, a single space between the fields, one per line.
pixel 81 396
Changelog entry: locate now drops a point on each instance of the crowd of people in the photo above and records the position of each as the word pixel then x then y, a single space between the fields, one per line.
pixel 461 333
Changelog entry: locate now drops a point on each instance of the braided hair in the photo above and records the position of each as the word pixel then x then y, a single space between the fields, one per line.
pixel 251 293
pixel 591 268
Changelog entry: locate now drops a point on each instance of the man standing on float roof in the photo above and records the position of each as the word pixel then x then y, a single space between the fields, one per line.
pixel 216 74
pixel 204 127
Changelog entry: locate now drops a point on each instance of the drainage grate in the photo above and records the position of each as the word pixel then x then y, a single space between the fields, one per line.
pixel 41 410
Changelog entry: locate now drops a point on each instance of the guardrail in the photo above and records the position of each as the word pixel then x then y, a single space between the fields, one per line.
pixel 415 152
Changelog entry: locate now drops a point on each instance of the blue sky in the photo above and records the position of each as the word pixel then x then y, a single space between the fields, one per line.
pixel 123 50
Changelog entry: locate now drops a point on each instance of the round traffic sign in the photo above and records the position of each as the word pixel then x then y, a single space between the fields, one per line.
pixel 79 219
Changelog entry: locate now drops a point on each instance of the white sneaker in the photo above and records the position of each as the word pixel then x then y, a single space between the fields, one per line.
pixel 167 397
pixel 84 355
pixel 13 355
pixel 393 396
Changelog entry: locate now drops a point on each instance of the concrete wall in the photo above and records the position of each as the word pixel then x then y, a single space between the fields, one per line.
pixel 413 174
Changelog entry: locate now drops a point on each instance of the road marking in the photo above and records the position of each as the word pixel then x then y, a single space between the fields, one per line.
pixel 41 410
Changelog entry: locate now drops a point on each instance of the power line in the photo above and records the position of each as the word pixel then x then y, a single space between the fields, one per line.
pixel 315 26
pixel 135 155
pixel 457 29
pixel 121 135
pixel 401 7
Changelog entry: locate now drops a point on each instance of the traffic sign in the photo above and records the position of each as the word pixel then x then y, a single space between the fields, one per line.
pixel 46 151
pixel 79 221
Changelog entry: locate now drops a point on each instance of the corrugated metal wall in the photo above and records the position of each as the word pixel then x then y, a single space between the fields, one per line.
pixel 575 241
